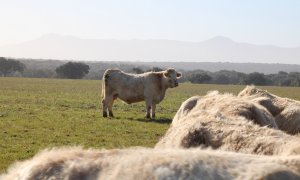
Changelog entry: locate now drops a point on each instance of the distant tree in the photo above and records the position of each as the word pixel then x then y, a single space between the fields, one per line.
pixel 137 70
pixel 285 82
pixel 221 79
pixel 279 79
pixel 199 78
pixel 295 78
pixel 72 70
pixel 282 73
pixel 8 66
pixel 38 73
pixel 155 69
pixel 256 79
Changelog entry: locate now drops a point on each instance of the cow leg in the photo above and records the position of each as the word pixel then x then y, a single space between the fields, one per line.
pixel 106 102
pixel 148 109
pixel 104 108
pixel 153 107
pixel 110 105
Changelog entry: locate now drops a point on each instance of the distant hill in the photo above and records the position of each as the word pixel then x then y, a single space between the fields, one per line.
pixel 185 66
pixel 217 49
pixel 216 66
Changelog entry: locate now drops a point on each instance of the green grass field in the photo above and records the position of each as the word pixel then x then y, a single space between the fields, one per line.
pixel 43 113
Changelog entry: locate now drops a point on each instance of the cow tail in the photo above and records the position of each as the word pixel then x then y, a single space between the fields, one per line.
pixel 103 88
pixel 103 84
pixel 104 81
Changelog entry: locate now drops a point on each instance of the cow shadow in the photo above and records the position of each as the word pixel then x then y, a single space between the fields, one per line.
pixel 160 120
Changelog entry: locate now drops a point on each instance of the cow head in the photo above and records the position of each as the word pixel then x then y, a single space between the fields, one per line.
pixel 172 77
pixel 248 91
pixel 253 91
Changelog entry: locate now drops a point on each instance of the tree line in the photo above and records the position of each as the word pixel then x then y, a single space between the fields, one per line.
pixel 238 78
pixel 70 70
pixel 79 70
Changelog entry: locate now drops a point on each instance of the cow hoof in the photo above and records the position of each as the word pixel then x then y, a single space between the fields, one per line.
pixel 111 114
pixel 104 114
pixel 148 117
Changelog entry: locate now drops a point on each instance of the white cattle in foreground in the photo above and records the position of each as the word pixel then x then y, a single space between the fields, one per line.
pixel 286 111
pixel 142 163
pixel 130 88
pixel 228 105
pixel 229 123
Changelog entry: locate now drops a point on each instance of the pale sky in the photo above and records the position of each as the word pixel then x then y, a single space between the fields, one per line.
pixel 274 22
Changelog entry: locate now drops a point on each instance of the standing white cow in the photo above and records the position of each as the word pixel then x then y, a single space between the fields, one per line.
pixel 130 88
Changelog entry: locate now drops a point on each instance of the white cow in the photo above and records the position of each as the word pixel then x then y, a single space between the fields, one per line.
pixel 160 164
pixel 149 87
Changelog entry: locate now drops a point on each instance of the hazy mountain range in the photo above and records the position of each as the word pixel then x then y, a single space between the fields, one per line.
pixel 217 49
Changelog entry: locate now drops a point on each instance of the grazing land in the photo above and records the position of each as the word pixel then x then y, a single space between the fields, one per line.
pixel 42 113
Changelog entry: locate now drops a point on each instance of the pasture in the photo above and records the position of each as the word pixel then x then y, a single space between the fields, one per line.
pixel 43 113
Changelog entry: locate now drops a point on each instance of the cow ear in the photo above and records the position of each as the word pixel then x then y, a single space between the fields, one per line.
pixel 178 74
